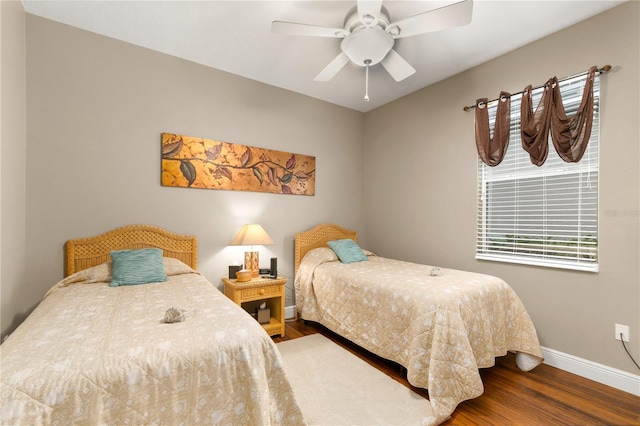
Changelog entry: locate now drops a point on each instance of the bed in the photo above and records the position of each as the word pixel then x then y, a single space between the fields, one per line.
pixel 98 351
pixel 441 324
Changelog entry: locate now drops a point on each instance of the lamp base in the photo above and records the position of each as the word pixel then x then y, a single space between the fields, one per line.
pixel 252 262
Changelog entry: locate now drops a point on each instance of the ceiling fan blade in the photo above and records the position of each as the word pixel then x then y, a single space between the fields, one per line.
pixel 397 66
pixel 453 15
pixel 369 11
pixel 333 68
pixel 292 28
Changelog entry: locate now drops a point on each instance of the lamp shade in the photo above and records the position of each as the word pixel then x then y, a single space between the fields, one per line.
pixel 251 235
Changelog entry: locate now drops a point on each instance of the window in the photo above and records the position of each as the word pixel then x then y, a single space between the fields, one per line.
pixel 544 215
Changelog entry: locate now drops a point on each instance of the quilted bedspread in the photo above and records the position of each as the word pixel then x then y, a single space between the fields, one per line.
pixel 93 354
pixel 441 328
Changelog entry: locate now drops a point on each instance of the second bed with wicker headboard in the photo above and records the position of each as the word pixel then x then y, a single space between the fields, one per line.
pixel 440 324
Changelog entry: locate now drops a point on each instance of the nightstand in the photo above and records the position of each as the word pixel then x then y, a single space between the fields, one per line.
pixel 269 290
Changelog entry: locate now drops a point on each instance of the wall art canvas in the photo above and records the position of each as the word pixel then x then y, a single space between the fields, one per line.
pixel 192 162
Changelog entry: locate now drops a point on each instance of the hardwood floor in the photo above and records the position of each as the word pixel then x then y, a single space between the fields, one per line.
pixel 543 396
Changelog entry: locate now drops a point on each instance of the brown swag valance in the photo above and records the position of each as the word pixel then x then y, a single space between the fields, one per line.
pixel 492 151
pixel 535 126
pixel 570 136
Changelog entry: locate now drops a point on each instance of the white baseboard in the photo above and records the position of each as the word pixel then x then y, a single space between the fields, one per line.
pixel 289 312
pixel 593 371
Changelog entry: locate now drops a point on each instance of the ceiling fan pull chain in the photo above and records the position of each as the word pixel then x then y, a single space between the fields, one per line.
pixel 366 81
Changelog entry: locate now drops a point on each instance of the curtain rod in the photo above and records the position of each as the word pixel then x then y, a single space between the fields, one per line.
pixel 604 69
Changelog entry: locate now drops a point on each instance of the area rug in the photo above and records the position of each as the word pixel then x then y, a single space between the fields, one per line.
pixel 335 387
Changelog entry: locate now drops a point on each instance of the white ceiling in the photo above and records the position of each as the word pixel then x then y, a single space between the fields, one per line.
pixel 235 36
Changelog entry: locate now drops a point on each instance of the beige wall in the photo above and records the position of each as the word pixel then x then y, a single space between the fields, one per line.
pixel 16 297
pixel 420 192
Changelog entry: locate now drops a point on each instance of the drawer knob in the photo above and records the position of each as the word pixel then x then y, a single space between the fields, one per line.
pixel 262 291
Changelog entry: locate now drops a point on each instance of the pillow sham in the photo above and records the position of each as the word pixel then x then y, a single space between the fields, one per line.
pixel 174 266
pixel 131 267
pixel 320 255
pixel 347 250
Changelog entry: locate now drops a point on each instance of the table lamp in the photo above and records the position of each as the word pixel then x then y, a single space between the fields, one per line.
pixel 251 235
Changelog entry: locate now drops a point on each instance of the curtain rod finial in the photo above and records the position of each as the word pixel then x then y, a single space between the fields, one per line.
pixel 606 68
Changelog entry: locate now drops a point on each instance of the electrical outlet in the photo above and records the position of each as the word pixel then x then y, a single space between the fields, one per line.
pixel 624 330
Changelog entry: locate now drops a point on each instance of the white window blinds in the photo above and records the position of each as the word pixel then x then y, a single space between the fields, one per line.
pixel 544 215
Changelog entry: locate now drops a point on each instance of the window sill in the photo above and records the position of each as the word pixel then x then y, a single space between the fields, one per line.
pixel 547 263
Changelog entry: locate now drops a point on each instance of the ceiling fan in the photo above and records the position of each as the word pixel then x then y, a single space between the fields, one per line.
pixel 368 36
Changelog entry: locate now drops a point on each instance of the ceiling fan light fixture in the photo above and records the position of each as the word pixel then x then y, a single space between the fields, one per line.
pixel 367 44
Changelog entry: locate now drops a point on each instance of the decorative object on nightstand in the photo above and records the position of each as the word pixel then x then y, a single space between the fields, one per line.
pixel 251 235
pixel 258 291
pixel 263 314
pixel 243 276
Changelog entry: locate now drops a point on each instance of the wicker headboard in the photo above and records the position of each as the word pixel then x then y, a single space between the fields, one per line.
pixel 83 253
pixel 318 237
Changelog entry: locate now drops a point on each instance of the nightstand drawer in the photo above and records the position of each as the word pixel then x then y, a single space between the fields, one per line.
pixel 252 293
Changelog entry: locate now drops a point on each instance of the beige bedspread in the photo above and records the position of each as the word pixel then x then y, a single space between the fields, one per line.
pixel 441 328
pixel 93 354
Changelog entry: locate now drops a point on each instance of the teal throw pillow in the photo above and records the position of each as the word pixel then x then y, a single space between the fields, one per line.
pixel 347 250
pixel 132 267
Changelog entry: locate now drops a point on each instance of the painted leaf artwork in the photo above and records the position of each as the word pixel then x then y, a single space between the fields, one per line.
pixel 202 163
